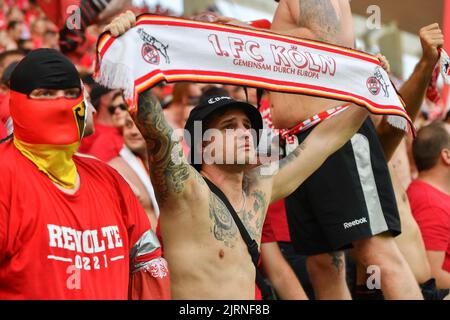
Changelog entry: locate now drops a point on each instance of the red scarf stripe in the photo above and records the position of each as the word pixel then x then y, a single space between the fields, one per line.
pixel 249 32
pixel 274 85
pixel 154 19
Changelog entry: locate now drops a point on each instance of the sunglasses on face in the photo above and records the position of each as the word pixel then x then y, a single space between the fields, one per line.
pixel 112 109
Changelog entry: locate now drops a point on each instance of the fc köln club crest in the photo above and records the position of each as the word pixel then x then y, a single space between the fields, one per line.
pixel 377 83
pixel 152 49
pixel 150 54
pixel 373 85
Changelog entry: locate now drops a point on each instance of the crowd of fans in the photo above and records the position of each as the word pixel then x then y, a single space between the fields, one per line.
pixel 422 165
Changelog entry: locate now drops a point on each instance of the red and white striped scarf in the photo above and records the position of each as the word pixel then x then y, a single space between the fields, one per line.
pixel 174 49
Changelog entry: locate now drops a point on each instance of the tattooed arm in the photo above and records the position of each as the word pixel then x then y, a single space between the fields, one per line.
pixel 308 19
pixel 172 177
pixel 328 21
pixel 328 137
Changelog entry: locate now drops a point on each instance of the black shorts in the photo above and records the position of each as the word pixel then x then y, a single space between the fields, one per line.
pixel 350 197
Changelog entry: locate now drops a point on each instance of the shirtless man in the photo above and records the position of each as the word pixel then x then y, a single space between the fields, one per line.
pixel 201 241
pixel 413 91
pixel 187 204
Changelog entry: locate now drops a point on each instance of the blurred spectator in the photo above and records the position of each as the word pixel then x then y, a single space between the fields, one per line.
pixel 7 57
pixel 15 30
pixel 26 45
pixel 132 164
pixel 185 96
pixel 447 117
pixel 429 197
pixel 118 110
pixel 110 141
pixel 5 117
pixel 15 33
pixel 15 14
pixel 50 40
pixel 238 93
pixel 38 28
pixel 88 81
pixel 101 98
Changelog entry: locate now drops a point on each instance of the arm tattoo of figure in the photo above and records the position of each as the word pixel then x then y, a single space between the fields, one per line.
pixel 268 170
pixel 321 18
pixel 337 259
pixel 293 155
pixel 223 226
pixel 169 171
pixel 254 218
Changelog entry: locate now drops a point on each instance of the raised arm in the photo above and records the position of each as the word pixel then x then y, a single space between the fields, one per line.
pixel 324 140
pixel 306 19
pixel 172 177
pixel 414 89
pixel 328 137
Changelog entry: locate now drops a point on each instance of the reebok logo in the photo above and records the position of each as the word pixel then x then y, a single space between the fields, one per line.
pixel 354 223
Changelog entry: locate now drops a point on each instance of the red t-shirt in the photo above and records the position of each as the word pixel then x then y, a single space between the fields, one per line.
pixel 105 144
pixel 276 214
pixel 59 246
pixel 267 232
pixel 3 131
pixel 431 209
pixel 4 108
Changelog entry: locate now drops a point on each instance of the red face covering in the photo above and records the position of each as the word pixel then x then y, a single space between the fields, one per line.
pixel 32 118
pixel 48 133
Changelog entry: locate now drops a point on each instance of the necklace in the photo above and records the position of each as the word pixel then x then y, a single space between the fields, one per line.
pixel 244 201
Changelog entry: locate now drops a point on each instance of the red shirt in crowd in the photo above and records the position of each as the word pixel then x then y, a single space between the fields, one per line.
pixel 431 209
pixel 105 144
pixel 276 214
pixel 4 108
pixel 59 246
pixel 3 131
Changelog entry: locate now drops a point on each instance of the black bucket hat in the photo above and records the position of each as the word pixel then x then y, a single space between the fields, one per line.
pixel 209 107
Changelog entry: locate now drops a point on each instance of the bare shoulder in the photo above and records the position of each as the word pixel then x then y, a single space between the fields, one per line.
pixel 117 163
pixel 284 17
pixel 123 168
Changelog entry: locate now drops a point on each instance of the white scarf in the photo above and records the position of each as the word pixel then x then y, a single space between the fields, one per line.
pixel 174 49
